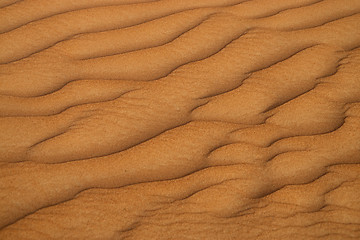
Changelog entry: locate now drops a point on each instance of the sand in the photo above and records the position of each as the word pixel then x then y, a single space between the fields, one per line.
pixel 180 119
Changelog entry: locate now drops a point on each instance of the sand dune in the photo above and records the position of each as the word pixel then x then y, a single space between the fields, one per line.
pixel 209 119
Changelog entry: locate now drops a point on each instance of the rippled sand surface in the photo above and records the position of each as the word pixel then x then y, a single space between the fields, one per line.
pixel 180 119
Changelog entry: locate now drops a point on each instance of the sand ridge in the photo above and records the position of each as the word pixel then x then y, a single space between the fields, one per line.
pixel 180 119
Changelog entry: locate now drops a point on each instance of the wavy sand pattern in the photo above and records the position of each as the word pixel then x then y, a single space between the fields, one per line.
pixel 168 119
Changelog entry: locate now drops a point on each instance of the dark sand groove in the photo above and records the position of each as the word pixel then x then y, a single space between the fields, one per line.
pixel 175 119
pixel 6 3
pixel 120 19
pixel 39 7
pixel 67 63
pixel 26 47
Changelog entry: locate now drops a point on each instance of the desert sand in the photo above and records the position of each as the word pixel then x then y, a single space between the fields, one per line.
pixel 180 119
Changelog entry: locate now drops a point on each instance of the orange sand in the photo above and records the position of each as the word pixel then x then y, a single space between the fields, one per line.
pixel 180 119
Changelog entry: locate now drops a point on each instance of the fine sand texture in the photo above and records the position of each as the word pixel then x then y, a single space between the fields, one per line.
pixel 180 119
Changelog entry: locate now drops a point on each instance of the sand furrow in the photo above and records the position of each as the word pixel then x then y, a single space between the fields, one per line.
pixel 84 22
pixel 37 10
pixel 77 18
pixel 70 69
